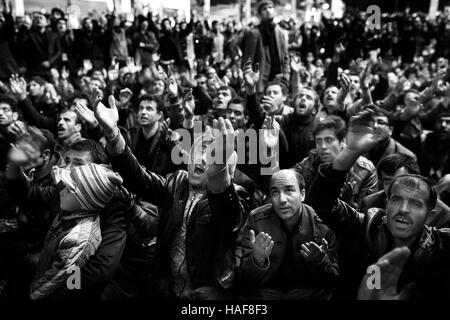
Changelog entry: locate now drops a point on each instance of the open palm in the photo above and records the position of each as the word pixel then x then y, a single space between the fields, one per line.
pixel 107 117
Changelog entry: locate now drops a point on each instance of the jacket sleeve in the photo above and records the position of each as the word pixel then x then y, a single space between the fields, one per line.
pixel 226 209
pixel 33 117
pixel 136 178
pixel 102 266
pixel 368 186
pixel 323 196
pixel 250 271
pixel 22 191
pixel 73 251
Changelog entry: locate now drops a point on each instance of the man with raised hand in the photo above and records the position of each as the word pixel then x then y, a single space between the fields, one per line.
pixel 363 239
pixel 288 252
pixel 200 212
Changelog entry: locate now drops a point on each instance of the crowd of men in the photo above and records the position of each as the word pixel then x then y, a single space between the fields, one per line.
pixel 355 120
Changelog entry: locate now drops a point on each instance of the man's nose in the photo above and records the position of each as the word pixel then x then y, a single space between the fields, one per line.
pixel 283 197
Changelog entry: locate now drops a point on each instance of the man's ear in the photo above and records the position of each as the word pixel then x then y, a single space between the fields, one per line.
pixel 160 115
pixel 391 129
pixel 343 143
pixel 246 119
pixel 78 127
pixel 15 116
pixel 302 194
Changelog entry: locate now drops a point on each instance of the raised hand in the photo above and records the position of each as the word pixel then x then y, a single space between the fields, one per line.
pixel 18 87
pixel 261 246
pixel 125 97
pixel 271 132
pixel 345 83
pixel 113 72
pixel 268 104
pixel 312 252
pixel 18 128
pixel 390 267
pixel 296 64
pixel 86 114
pixel 188 105
pixel 172 87
pixel 251 77
pixel 223 145
pixel 107 117
pixel 362 135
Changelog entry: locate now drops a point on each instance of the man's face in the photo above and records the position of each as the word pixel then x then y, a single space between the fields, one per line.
pixel 285 194
pixel 267 12
pixel 35 89
pixel 158 87
pixel 67 124
pixel 276 93
pixel 407 208
pixel 222 99
pixel 412 99
pixel 330 98
pixel 443 124
pixel 202 83
pixel 34 155
pixel 197 175
pixel 62 26
pixel 148 113
pixel 7 116
pixel 442 63
pixel 39 21
pixel 304 103
pixel 88 26
pixel 73 158
pixel 167 25
pixel 236 115
pixel 355 83
pixel 381 124
pixel 327 144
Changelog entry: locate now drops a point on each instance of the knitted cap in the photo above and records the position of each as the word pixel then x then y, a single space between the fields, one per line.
pixel 93 184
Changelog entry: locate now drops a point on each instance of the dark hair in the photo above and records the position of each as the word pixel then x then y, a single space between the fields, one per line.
pixel 81 95
pixel 233 93
pixel 380 112
pixel 241 101
pixel 410 178
pixel 333 123
pixel 39 80
pixel 94 148
pixel 9 100
pixel 64 110
pixel 394 161
pixel 277 83
pixel 159 103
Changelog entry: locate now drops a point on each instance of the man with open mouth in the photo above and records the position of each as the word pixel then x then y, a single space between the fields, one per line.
pixel 364 239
